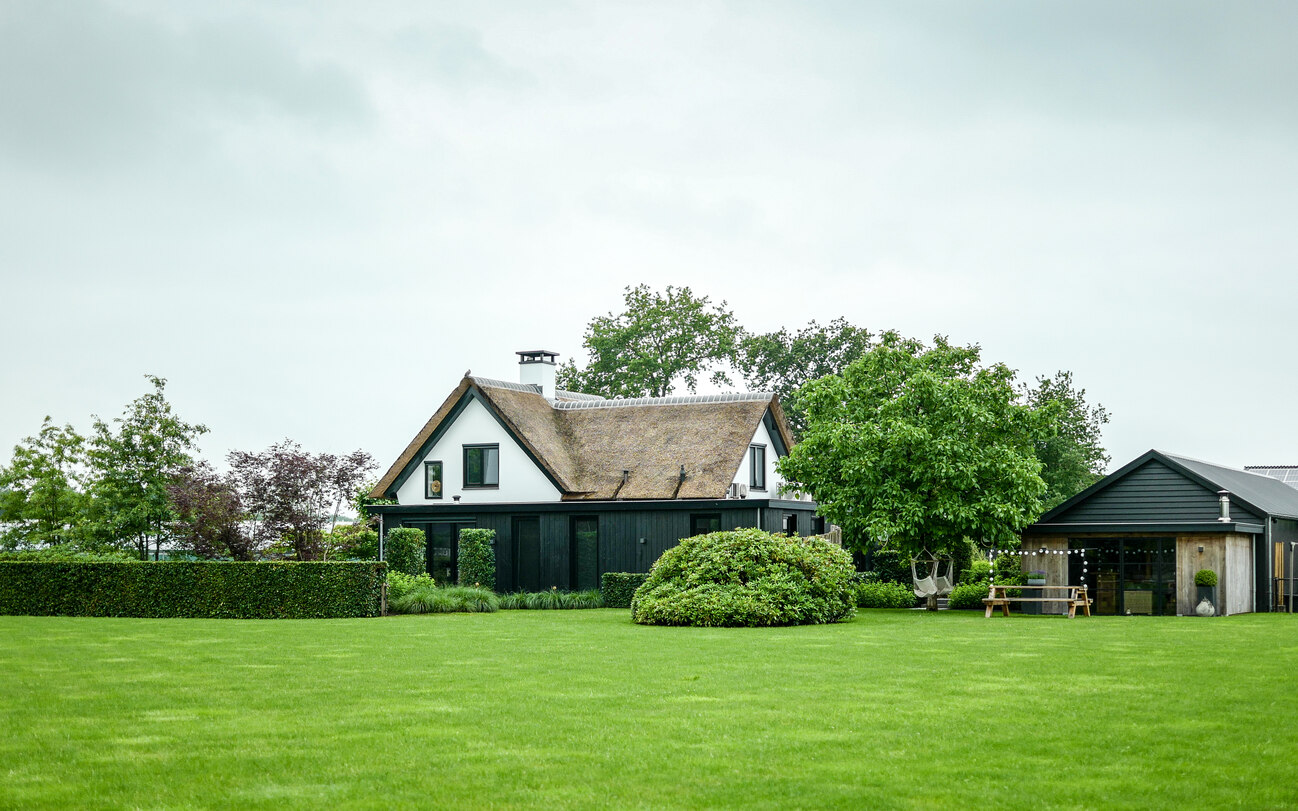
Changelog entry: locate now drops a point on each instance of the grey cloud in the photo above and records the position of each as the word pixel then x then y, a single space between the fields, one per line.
pixel 456 57
pixel 1215 63
pixel 86 85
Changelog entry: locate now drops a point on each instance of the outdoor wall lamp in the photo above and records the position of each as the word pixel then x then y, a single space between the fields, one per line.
pixel 1200 549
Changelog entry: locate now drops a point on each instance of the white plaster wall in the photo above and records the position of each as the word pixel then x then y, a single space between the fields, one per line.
pixel 773 480
pixel 520 478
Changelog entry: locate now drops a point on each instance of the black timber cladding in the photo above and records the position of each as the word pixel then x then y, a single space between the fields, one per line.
pixel 632 535
pixel 1152 493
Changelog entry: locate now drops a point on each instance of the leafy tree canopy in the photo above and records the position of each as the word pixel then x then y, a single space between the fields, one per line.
pixel 41 495
pixel 292 493
pixel 132 462
pixel 209 515
pixel 1071 455
pixel 658 339
pixel 917 448
pixel 784 361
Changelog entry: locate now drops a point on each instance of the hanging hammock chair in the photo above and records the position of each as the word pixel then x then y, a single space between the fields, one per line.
pixel 945 583
pixel 925 587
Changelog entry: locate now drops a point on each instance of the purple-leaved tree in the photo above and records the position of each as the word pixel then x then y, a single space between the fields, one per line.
pixel 291 494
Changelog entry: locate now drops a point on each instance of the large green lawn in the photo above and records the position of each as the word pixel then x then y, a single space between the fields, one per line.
pixel 583 709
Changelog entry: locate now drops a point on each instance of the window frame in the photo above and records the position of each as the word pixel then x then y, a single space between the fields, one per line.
pixel 441 480
pixel 695 518
pixel 484 485
pixel 754 481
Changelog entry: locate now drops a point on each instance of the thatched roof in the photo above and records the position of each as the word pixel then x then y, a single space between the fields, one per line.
pixel 584 443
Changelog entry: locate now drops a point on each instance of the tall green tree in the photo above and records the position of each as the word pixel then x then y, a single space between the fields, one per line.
pixel 918 448
pixel 132 461
pixel 42 500
pixel 658 340
pixel 1071 455
pixel 784 361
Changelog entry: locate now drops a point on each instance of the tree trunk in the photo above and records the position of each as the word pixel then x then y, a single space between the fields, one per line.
pixel 930 604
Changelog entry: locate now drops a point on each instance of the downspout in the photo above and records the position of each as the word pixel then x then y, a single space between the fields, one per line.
pixel 1269 551
pixel 1292 545
pixel 381 536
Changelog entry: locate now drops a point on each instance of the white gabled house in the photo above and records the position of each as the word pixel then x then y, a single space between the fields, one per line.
pixel 576 485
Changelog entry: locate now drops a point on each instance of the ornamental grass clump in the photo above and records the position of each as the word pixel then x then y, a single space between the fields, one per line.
pixel 431 599
pixel 552 599
pixel 747 577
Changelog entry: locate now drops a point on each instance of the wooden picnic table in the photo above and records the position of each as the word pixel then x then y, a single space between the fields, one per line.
pixel 998 595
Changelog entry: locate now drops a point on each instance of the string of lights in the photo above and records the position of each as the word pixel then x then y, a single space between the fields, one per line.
pixel 992 554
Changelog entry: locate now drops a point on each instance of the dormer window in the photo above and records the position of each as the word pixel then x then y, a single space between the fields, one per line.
pixel 481 465
pixel 757 467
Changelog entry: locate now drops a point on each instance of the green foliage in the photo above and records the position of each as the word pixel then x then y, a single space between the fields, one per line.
pixel 619 587
pixel 976 580
pixel 783 362
pixel 967 595
pixel 658 339
pixel 552 599
pixel 1205 577
pixel 1070 453
pixel 351 542
pixel 432 599
pixel 918 448
pixel 477 558
pixel 400 583
pixel 885 595
pixel 979 571
pixel 891 566
pixel 41 498
pixel 403 549
pixel 747 577
pixel 1009 571
pixel 131 466
pixel 198 589
pixel 69 553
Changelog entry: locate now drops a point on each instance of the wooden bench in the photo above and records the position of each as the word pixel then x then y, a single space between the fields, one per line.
pixel 1075 598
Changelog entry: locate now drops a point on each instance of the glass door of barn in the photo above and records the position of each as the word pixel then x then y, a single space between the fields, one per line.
pixel 1127 575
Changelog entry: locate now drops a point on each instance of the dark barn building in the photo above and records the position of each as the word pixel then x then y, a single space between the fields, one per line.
pixel 1137 537
pixel 576 485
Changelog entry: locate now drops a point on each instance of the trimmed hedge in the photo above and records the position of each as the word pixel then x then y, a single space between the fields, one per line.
pixel 237 590
pixel 403 549
pixel 619 587
pixel 477 560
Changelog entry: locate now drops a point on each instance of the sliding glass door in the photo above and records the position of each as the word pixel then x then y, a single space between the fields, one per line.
pixel 1127 575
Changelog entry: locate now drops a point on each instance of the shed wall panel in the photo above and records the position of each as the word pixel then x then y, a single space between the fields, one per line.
pixel 1152 493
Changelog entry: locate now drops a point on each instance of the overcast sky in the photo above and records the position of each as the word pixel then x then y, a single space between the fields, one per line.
pixel 312 218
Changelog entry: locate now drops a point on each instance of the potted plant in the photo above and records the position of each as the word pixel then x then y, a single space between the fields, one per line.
pixel 1206 582
pixel 1036 578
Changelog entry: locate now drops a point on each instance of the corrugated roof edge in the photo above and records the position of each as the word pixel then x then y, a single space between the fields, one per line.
pixel 530 388
pixel 563 394
pixel 695 399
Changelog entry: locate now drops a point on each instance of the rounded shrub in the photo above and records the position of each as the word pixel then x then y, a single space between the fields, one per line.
pixel 1205 577
pixel 885 595
pixel 967 595
pixel 747 577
